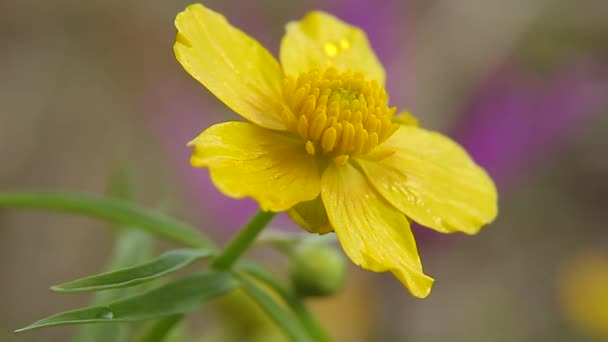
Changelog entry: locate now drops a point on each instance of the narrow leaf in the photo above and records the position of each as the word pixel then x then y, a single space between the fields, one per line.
pixel 158 330
pixel 109 209
pixel 177 297
pixel 132 247
pixel 168 262
pixel 293 302
pixel 282 317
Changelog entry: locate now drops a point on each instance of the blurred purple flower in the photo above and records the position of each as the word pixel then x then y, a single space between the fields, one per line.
pixel 377 19
pixel 517 119
pixel 181 114
pixel 385 23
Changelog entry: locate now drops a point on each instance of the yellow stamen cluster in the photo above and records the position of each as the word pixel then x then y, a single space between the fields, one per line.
pixel 337 114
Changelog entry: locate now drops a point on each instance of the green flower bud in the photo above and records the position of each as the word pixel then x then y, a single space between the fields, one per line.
pixel 317 270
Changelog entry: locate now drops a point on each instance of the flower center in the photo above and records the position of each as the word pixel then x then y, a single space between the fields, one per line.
pixel 338 114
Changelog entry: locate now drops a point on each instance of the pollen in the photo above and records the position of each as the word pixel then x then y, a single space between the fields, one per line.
pixel 338 114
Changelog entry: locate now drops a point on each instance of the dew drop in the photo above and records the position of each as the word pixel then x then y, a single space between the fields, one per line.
pixel 344 44
pixel 107 315
pixel 331 49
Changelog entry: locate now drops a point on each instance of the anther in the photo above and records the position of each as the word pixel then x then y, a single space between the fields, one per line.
pixel 317 126
pixel 303 127
pixel 348 132
pixel 310 148
pixel 341 159
pixel 328 141
pixel 341 114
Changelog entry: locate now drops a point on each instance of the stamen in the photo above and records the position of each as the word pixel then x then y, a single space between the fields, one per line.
pixel 341 160
pixel 379 154
pixel 317 127
pixel 329 139
pixel 348 133
pixel 372 142
pixel 310 148
pixel 343 114
pixel 303 127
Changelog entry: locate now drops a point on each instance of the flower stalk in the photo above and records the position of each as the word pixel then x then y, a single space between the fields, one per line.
pixel 243 239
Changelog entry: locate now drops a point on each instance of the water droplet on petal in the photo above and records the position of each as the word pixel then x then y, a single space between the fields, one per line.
pixel 345 44
pixel 331 49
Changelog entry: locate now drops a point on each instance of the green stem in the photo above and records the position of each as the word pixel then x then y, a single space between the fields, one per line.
pixel 306 318
pixel 243 239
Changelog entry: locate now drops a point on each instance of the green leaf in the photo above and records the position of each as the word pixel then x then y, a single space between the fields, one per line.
pixel 168 262
pixel 177 297
pixel 131 248
pixel 179 333
pixel 112 210
pixel 158 330
pixel 282 317
pixel 293 302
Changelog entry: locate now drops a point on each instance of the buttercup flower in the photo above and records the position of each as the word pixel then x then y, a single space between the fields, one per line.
pixel 323 143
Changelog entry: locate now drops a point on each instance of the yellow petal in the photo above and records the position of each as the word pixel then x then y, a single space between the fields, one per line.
pixel 374 235
pixel 249 161
pixel 320 40
pixel 406 118
pixel 232 65
pixel 311 216
pixel 432 180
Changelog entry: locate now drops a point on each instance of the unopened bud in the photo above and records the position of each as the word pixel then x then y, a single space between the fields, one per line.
pixel 317 270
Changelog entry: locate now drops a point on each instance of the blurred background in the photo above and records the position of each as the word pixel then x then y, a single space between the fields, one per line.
pixel 523 85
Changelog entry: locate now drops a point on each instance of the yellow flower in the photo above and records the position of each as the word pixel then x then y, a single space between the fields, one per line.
pixel 323 143
pixel 583 291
